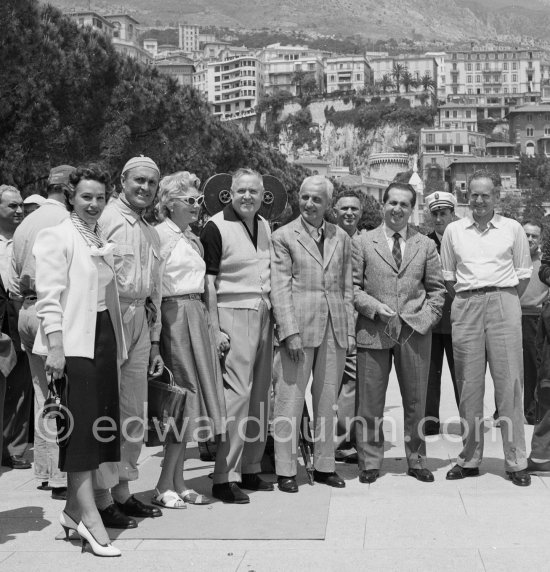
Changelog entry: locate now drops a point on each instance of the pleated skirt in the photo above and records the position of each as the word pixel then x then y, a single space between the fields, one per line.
pixel 188 349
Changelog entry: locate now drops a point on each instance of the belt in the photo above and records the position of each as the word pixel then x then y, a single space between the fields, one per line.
pixel 484 290
pixel 133 301
pixel 183 297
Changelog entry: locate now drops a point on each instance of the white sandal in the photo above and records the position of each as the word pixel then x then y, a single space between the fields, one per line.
pixel 168 499
pixel 193 497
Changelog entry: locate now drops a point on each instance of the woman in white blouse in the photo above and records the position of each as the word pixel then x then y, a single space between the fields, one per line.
pixel 186 338
pixel 81 335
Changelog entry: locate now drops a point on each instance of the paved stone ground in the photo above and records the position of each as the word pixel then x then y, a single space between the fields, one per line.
pixel 480 524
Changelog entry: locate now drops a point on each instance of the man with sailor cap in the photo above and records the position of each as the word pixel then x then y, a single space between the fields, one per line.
pixel 137 265
pixel 442 209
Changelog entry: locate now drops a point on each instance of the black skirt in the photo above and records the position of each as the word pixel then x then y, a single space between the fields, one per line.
pixel 92 434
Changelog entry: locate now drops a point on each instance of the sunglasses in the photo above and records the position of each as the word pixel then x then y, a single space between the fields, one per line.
pixel 192 201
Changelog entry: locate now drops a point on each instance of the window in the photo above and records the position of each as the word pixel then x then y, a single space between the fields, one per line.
pixel 454 67
pixel 547 129
pixel 505 78
pixel 514 77
pixel 529 117
pixel 478 67
pixel 470 91
pixel 431 138
pixel 455 113
pixel 529 131
pixel 468 67
pixel 447 114
pixel 514 90
pixel 358 77
pixel 468 79
pixel 514 65
pixel 468 114
pixel 332 78
pixel 478 78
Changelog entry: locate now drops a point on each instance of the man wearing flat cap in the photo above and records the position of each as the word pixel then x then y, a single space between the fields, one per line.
pixel 442 209
pixel 137 266
pixel 23 290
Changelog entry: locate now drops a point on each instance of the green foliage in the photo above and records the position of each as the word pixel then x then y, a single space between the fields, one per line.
pixel 302 130
pixel 66 96
pixel 369 116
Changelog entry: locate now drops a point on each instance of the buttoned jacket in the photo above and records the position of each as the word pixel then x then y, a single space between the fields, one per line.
pixel 415 291
pixel 307 287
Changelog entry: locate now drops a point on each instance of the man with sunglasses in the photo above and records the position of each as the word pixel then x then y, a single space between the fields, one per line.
pixel 399 292
pixel 237 245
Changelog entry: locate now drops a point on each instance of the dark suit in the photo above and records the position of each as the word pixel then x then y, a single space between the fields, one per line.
pixel 416 292
pixel 442 343
pixel 18 386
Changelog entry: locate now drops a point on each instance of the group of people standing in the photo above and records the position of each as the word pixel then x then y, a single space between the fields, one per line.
pixel 105 300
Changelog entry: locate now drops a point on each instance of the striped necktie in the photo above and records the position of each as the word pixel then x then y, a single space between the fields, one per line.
pixel 396 250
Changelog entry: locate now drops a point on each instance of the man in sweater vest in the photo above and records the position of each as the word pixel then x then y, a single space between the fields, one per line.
pixel 313 306
pixel 237 253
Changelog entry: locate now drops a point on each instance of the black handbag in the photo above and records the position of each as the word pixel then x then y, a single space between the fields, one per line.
pixel 165 409
pixel 55 407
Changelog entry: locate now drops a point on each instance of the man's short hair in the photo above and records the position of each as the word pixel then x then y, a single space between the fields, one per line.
pixel 532 222
pixel 350 193
pixel 243 173
pixel 318 180
pixel 485 174
pixel 402 187
pixel 5 188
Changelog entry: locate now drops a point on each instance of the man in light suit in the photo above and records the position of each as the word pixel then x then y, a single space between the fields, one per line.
pixel 399 292
pixel 312 297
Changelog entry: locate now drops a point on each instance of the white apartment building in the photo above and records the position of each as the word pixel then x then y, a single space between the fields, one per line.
pixel 93 20
pixel 493 72
pixel 418 65
pixel 188 36
pixel 279 63
pixel 347 73
pixel 231 86
pixel 457 116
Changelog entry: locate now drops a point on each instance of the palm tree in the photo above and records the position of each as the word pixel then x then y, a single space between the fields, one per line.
pixel 397 73
pixel 407 79
pixel 297 79
pixel 427 82
pixel 385 83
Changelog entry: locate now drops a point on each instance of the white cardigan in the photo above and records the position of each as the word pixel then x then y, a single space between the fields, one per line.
pixel 66 286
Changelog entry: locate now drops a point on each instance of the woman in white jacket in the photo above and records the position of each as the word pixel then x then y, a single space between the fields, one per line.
pixel 81 335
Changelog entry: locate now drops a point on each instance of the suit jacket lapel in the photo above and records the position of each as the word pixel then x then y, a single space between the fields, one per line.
pixel 331 241
pixel 381 246
pixel 411 247
pixel 304 238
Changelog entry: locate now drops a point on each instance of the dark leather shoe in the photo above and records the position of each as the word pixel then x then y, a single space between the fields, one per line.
pixel 138 509
pixel 458 472
pixel 369 476
pixel 533 466
pixel 520 478
pixel 113 517
pixel 230 493
pixel 287 484
pixel 424 475
pixel 16 462
pixel 253 482
pixel 330 479
pixel 59 493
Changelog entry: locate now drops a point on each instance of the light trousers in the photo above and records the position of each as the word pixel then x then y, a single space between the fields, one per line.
pixel 46 449
pixel 489 325
pixel 326 362
pixel 247 379
pixel 133 397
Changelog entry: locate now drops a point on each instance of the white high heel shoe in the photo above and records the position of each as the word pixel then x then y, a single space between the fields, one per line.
pixel 67 523
pixel 97 549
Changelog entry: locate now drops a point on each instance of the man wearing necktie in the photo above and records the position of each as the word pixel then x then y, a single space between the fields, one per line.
pixel 399 292
pixel 312 297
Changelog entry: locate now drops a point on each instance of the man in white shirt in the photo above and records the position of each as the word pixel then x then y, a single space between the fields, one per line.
pixel 23 292
pixel 487 264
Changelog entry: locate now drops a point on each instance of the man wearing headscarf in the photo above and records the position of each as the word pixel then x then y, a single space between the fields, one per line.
pixel 137 266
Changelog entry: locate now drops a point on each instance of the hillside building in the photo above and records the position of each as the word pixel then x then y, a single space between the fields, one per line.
pixel 230 86
pixel 345 73
pixel 457 116
pixel 530 128
pixel 188 38
pixel 92 20
pixel 279 64
pixel 417 65
pixel 494 74
pixel 179 67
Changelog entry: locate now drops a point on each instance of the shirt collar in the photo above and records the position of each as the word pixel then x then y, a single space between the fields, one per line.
pixel 56 203
pixel 313 230
pixel 389 232
pixel 131 216
pixel 173 226
pixel 495 222
pixel 6 240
